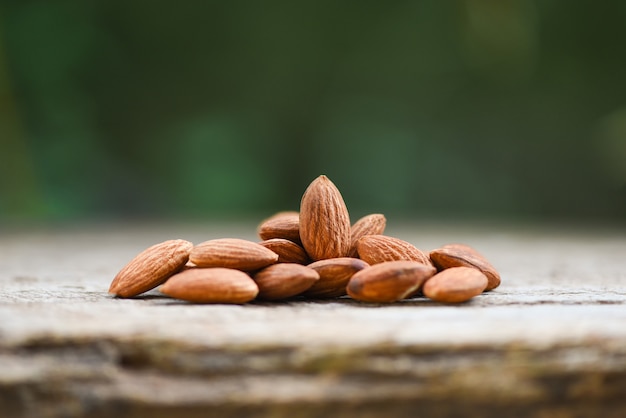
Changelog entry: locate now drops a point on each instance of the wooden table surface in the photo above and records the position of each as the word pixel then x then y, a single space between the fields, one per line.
pixel 549 342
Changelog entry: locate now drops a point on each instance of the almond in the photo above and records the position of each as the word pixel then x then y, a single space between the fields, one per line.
pixel 233 253
pixel 150 268
pixel 335 273
pixel 288 251
pixel 375 249
pixel 284 225
pixel 284 280
pixel 211 285
pixel 461 255
pixel 454 285
pixel 373 224
pixel 389 281
pixel 324 221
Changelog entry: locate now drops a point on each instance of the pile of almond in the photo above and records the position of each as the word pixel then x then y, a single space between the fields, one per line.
pixel 314 253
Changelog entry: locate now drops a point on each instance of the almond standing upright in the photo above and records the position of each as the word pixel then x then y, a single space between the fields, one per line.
pixel 324 221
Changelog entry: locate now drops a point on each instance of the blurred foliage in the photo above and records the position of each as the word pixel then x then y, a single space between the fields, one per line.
pixel 196 109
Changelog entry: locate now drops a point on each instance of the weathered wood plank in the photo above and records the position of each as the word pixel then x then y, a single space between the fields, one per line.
pixel 551 340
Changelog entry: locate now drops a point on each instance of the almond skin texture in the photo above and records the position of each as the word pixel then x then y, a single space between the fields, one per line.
pixel 324 221
pixel 375 249
pixel 460 255
pixel 454 285
pixel 389 281
pixel 284 225
pixel 373 224
pixel 335 273
pixel 150 268
pixel 288 251
pixel 211 285
pixel 233 253
pixel 284 280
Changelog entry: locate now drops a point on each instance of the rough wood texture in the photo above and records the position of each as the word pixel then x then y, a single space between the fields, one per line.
pixel 550 341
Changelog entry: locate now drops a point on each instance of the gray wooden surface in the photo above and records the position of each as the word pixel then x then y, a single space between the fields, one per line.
pixel 551 341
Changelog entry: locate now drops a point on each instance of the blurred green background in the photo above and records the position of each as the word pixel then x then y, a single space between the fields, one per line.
pixel 476 109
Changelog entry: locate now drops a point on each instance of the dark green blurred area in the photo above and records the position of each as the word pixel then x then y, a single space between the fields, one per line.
pixel 495 109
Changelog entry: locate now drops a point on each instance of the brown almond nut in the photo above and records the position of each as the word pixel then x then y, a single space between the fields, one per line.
pixel 373 224
pixel 454 285
pixel 211 285
pixel 461 255
pixel 233 253
pixel 375 249
pixel 284 280
pixel 389 281
pixel 335 273
pixel 150 268
pixel 284 225
pixel 324 221
pixel 288 251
